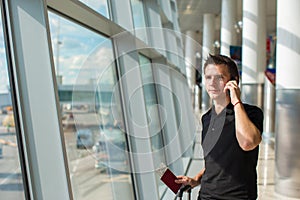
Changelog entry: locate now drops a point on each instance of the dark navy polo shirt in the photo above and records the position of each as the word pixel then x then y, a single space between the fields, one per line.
pixel 230 172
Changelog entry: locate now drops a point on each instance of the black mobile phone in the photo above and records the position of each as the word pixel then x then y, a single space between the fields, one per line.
pixel 228 91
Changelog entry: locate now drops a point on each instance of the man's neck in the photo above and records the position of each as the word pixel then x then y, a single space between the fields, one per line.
pixel 221 104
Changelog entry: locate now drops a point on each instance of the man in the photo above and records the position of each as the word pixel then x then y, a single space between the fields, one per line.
pixel 231 133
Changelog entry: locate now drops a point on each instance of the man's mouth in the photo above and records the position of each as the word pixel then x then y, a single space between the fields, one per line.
pixel 213 91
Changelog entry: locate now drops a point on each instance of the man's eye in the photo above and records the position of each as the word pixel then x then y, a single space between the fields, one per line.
pixel 215 77
pixel 219 77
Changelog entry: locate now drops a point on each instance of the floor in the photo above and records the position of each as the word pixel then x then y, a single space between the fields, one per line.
pixel 265 169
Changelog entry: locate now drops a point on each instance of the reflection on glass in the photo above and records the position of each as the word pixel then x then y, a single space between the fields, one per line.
pixel 91 114
pixel 11 184
pixel 139 19
pixel 152 108
pixel 98 5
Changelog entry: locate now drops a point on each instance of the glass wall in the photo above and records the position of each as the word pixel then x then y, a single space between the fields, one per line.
pixel 139 19
pixel 11 183
pixel 92 118
pixel 80 138
pixel 100 6
pixel 153 110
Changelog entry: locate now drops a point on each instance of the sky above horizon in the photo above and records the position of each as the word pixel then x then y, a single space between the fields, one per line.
pixel 78 53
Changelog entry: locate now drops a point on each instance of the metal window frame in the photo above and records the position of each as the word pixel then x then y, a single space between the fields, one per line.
pixel 41 170
pixel 29 80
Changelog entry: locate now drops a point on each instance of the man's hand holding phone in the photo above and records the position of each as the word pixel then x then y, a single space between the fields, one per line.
pixel 232 89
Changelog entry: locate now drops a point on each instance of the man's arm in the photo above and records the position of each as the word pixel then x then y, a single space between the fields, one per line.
pixel 247 134
pixel 193 182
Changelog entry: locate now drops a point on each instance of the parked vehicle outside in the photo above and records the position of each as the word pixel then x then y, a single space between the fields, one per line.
pixel 84 138
pixel 110 150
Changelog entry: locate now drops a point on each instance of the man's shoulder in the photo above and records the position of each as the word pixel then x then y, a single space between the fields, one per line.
pixel 252 108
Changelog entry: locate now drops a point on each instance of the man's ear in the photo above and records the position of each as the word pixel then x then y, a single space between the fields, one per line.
pixel 236 79
pixel 233 78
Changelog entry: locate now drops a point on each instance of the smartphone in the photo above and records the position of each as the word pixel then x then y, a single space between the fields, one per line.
pixel 228 91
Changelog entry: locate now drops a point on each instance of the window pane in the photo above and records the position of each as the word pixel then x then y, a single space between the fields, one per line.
pixel 151 103
pixel 98 5
pixel 139 19
pixel 11 184
pixel 152 108
pixel 92 118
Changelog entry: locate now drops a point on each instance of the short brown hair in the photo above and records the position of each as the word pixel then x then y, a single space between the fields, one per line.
pixel 225 61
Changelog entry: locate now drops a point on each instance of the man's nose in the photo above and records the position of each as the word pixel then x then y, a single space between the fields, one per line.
pixel 213 80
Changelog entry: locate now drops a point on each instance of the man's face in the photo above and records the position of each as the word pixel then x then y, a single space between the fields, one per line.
pixel 216 76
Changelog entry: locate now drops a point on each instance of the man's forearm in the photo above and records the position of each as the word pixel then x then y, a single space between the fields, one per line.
pixel 199 175
pixel 247 133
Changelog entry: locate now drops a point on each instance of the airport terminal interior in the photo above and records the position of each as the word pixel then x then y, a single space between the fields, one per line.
pixel 99 98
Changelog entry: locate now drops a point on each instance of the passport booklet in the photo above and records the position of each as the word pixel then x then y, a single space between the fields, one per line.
pixel 168 178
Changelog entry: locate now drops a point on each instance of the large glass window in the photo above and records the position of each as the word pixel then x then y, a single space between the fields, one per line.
pixel 152 106
pixel 11 184
pixel 139 19
pixel 100 6
pixel 92 118
pixel 153 115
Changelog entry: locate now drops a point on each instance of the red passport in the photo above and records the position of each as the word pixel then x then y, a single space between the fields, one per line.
pixel 169 179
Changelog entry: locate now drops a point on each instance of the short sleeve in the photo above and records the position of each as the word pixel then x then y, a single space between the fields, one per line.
pixel 256 116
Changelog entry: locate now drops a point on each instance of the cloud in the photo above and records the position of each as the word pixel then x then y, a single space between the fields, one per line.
pixel 83 67
pixel 2 51
pixel 95 4
pixel 72 62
